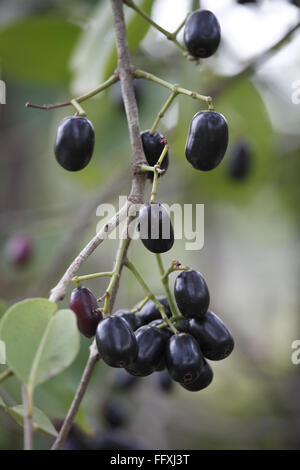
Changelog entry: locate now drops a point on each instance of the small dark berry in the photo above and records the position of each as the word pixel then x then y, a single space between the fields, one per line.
pixel 207 140
pixel 203 381
pixel 183 358
pixel 150 312
pixel 113 413
pixel 151 347
pixel 202 34
pixel 116 342
pixel 131 318
pixel 74 143
pixel 84 304
pixel 153 145
pixel 191 294
pixel 155 226
pixel 214 338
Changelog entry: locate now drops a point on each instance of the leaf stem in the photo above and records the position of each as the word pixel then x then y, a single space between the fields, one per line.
pixel 151 296
pixel 173 87
pixel 28 407
pixel 4 375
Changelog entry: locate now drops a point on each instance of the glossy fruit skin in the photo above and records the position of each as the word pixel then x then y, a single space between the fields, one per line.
pixel 183 326
pixel 150 312
pixel 116 342
pixel 207 140
pixel 166 331
pixel 153 146
pixel 151 346
pixel 202 34
pixel 215 340
pixel 183 358
pixel 191 294
pixel 239 161
pixel 74 143
pixel 164 381
pixel 133 321
pixel 155 226
pixel 84 305
pixel 19 249
pixel 204 380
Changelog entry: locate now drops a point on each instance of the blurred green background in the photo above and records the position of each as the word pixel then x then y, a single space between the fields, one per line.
pixel 51 51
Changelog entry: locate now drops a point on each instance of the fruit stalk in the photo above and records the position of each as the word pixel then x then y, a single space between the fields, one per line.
pixel 165 282
pixel 155 176
pixel 183 91
pixel 151 296
pixel 163 110
pixel 86 277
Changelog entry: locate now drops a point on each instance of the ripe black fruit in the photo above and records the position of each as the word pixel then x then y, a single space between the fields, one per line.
pixel 150 312
pixel 84 305
pixel 153 145
pixel 151 346
pixel 191 294
pixel 239 162
pixel 183 358
pixel 166 330
pixel 131 318
pixel 156 230
pixel 202 34
pixel 203 381
pixel 214 338
pixel 74 143
pixel 116 342
pixel 207 140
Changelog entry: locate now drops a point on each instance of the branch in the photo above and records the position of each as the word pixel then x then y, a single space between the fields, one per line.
pixel 85 379
pixel 59 291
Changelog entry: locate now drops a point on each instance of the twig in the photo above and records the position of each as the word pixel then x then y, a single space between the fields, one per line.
pixel 28 430
pixel 59 291
pixel 87 373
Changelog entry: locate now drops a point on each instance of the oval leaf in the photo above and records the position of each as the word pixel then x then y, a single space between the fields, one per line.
pixel 39 344
pixel 40 421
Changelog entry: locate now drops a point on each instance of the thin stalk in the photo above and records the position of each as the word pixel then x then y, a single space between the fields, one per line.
pixel 165 282
pixel 75 101
pixel 180 90
pixel 151 296
pixel 140 305
pixel 4 375
pixel 86 277
pixel 155 176
pixel 28 429
pixel 163 110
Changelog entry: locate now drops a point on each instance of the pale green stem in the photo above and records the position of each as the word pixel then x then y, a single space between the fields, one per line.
pixel 140 305
pixel 163 110
pixel 170 86
pixel 86 277
pixel 155 176
pixel 165 282
pixel 4 375
pixel 151 296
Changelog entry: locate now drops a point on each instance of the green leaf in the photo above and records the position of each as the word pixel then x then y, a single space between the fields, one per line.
pixel 40 421
pixel 3 307
pixel 39 344
pixel 98 41
pixel 37 49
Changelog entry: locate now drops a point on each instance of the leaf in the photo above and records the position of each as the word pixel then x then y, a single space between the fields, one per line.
pixel 39 344
pixel 95 56
pixel 40 421
pixel 3 307
pixel 37 49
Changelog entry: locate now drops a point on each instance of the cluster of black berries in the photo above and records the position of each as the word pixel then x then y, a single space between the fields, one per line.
pixel 143 343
